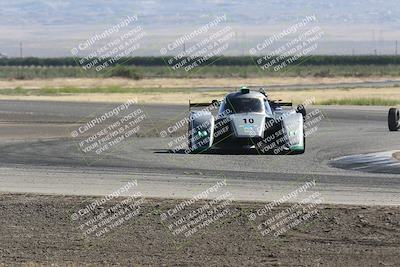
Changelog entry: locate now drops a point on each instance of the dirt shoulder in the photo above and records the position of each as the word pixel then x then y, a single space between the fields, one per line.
pixel 38 229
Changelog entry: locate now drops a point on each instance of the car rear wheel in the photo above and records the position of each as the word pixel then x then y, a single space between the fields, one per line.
pixel 300 151
pixel 190 146
pixel 302 110
pixel 393 119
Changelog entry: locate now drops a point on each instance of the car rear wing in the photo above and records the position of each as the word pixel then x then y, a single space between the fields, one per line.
pixel 203 104
pixel 285 104
pixel 281 103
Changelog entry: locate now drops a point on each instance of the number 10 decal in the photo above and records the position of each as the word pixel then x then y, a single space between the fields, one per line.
pixel 248 120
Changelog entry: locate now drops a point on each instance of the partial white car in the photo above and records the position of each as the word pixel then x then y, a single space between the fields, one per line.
pixel 393 119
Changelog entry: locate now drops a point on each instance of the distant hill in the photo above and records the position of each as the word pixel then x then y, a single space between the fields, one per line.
pixel 174 12
pixel 53 27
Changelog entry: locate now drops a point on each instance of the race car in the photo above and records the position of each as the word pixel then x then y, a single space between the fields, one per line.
pixel 394 119
pixel 247 120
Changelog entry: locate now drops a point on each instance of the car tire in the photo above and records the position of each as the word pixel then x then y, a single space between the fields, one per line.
pixel 393 119
pixel 302 110
pixel 298 152
pixel 190 146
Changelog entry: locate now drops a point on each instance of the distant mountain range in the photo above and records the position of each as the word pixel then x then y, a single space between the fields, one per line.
pixel 52 27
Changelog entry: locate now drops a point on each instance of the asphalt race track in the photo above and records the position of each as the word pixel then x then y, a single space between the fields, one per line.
pixel 38 154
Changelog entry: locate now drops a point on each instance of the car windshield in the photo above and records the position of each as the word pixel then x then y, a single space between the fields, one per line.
pixel 243 105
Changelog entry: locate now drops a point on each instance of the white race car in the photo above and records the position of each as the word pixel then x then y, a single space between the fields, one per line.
pixel 247 120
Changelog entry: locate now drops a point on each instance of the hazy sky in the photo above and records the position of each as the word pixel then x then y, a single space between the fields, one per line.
pixel 52 28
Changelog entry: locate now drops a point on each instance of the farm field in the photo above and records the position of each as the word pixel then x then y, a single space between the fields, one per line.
pixel 338 229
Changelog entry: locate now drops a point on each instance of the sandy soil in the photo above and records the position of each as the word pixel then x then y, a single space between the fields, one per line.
pixel 37 229
pixel 177 83
pixel 297 96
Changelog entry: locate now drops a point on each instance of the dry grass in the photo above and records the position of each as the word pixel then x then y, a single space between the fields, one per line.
pixel 171 90
pixel 177 83
pixel 169 98
pixel 321 95
pixel 297 96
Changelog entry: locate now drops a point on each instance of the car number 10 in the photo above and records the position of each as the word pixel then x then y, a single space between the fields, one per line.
pixel 248 120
